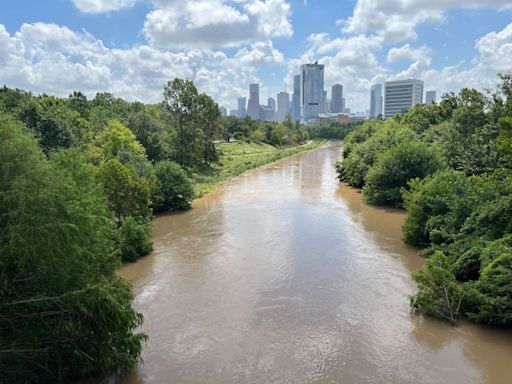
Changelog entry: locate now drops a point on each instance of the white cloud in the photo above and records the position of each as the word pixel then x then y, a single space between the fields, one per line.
pixel 406 52
pixel 260 53
pixel 102 6
pixel 396 20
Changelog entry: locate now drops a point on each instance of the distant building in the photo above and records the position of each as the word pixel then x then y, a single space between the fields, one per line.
pixel 283 104
pixel 376 101
pixel 337 100
pixel 346 110
pixel 223 111
pixel 234 112
pixel 272 103
pixel 401 95
pixel 431 97
pixel 332 117
pixel 268 114
pixel 253 108
pixel 312 90
pixel 296 98
pixel 242 106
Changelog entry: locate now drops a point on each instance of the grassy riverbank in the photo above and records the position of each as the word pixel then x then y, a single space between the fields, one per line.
pixel 240 156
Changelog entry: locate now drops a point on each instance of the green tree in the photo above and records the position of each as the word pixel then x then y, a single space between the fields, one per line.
pixel 395 167
pixel 134 239
pixel 174 188
pixel 209 120
pixel 64 312
pixel 439 293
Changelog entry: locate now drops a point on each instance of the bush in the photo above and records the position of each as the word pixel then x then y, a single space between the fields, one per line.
pixel 174 190
pixel 395 167
pixel 134 239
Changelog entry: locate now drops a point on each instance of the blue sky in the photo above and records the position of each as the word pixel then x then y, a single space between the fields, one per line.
pixel 132 47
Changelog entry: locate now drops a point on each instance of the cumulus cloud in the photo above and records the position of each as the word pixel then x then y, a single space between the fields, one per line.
pixel 56 60
pixel 406 52
pixel 396 20
pixel 102 6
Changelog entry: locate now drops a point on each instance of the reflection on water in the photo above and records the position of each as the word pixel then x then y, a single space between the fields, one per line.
pixel 282 275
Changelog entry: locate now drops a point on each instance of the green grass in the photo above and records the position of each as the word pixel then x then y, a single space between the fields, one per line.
pixel 238 157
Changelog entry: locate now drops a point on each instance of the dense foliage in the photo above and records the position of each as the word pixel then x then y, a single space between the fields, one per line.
pixel 449 165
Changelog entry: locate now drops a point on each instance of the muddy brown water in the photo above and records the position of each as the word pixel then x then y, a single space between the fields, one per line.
pixel 282 275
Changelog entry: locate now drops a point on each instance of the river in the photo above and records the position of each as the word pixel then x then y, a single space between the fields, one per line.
pixel 282 275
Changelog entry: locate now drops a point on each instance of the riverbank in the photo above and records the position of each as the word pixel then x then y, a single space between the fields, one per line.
pixel 240 156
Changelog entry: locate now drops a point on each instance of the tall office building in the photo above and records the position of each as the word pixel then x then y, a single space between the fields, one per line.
pixel 401 95
pixel 242 106
pixel 431 97
pixel 312 90
pixel 337 98
pixel 376 101
pixel 283 104
pixel 296 98
pixel 267 113
pixel 253 108
pixel 223 111
pixel 271 103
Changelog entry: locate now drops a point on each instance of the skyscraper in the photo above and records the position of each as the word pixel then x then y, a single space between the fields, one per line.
pixel 223 111
pixel 312 90
pixel 376 101
pixel 253 109
pixel 242 106
pixel 401 95
pixel 283 103
pixel 337 98
pixel 431 97
pixel 296 98
pixel 272 103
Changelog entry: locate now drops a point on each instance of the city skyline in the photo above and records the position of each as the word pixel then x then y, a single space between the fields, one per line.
pixel 131 48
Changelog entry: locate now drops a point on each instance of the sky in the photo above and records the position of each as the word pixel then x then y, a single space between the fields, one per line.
pixel 131 48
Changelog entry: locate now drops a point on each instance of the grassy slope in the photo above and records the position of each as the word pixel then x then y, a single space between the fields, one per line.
pixel 238 157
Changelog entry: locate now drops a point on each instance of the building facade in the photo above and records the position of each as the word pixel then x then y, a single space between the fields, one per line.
pixel 296 98
pixel 283 104
pixel 376 101
pixel 223 111
pixel 401 95
pixel 253 108
pixel 242 107
pixel 271 103
pixel 312 90
pixel 337 98
pixel 431 97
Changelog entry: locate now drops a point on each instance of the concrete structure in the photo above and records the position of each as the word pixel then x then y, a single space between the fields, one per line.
pixel 337 100
pixel 376 101
pixel 312 90
pixel 253 108
pixel 272 103
pixel 296 98
pixel 234 112
pixel 267 113
pixel 242 106
pixel 431 97
pixel 223 111
pixel 283 104
pixel 401 95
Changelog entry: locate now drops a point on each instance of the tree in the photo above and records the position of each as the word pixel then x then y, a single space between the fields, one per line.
pixel 64 314
pixel 174 188
pixel 439 293
pixel 209 120
pixel 181 102
pixel 127 193
pixel 395 167
pixel 134 240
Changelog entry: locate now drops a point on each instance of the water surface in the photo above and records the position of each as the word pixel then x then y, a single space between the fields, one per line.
pixel 282 276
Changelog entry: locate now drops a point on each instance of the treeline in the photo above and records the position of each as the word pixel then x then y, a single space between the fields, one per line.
pixel 80 181
pixel 450 166
pixel 332 130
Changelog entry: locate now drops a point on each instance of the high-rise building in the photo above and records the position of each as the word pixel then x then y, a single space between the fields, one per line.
pixel 234 112
pixel 401 95
pixel 271 103
pixel 337 98
pixel 223 111
pixel 312 90
pixel 376 101
pixel 253 108
pixel 296 98
pixel 431 97
pixel 267 113
pixel 283 104
pixel 242 106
